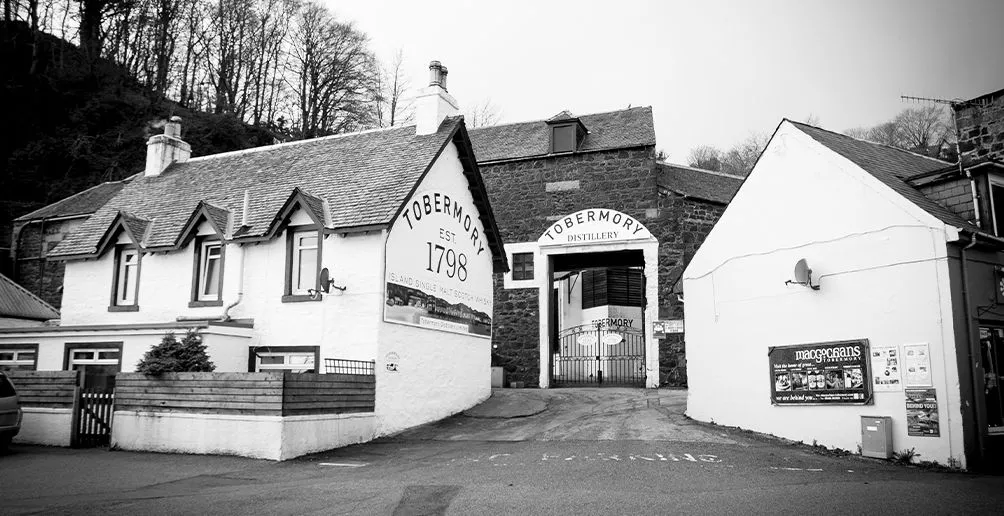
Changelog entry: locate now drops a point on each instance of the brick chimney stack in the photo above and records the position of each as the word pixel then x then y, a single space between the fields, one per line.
pixel 434 103
pixel 164 149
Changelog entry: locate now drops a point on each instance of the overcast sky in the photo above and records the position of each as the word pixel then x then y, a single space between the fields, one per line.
pixel 712 71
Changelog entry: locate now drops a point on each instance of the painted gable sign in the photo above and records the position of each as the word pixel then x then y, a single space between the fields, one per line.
pixel 593 226
pixel 439 267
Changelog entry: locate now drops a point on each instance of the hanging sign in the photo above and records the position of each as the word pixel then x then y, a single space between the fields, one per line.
pixel 828 373
pixel 922 413
pixel 886 369
pixel 439 267
pixel 593 226
pixel 917 365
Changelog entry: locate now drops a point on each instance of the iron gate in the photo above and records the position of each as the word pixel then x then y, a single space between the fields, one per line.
pixel 599 355
pixel 92 418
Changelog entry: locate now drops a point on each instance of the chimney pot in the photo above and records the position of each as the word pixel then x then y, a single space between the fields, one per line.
pixel 435 73
pixel 442 78
pixel 173 127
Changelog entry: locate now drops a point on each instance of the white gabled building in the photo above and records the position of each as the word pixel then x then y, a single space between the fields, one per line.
pixel 236 245
pixel 904 321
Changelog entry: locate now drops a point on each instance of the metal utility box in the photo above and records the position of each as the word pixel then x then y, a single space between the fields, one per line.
pixel 876 436
pixel 497 376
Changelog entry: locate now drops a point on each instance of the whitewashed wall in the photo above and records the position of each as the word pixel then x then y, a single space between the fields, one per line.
pixel 881 263
pixel 439 373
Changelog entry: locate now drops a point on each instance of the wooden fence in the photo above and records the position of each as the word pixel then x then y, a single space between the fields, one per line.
pixel 266 394
pixel 52 389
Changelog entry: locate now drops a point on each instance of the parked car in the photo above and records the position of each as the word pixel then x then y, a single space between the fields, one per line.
pixel 10 412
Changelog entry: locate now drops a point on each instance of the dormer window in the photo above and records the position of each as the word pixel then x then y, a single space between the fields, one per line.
pixel 567 133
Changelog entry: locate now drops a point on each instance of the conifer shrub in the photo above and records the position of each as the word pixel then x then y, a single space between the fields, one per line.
pixel 174 356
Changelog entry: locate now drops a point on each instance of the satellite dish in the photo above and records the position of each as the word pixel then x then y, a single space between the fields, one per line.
pixel 803 275
pixel 326 280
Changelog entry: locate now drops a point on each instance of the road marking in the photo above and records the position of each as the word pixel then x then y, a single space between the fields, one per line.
pixel 796 469
pixel 343 464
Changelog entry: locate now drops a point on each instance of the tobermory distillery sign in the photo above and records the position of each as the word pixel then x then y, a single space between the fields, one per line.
pixel 594 225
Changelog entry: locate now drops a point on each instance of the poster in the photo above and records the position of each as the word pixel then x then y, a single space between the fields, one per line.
pixel 827 373
pixel 922 413
pixel 917 365
pixel 886 369
pixel 439 267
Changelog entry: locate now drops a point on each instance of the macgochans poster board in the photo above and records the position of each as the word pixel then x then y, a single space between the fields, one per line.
pixel 823 373
pixel 917 365
pixel 886 375
pixel 922 413
pixel 439 266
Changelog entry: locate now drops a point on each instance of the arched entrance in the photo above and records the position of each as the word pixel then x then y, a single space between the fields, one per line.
pixel 598 298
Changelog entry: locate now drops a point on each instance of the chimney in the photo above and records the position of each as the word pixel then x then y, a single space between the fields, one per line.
pixel 164 149
pixel 434 103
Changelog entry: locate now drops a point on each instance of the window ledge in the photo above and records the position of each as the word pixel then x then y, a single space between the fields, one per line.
pixel 123 308
pixel 198 304
pixel 299 298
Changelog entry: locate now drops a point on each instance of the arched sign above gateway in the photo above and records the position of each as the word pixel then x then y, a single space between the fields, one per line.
pixel 594 226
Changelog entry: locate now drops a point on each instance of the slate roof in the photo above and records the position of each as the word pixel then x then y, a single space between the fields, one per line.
pixel 363 177
pixel 83 203
pixel 890 165
pixel 626 128
pixel 16 302
pixel 697 183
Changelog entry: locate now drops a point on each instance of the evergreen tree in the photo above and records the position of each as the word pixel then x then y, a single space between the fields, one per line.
pixel 173 356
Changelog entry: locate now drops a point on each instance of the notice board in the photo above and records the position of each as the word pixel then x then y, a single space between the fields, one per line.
pixel 821 373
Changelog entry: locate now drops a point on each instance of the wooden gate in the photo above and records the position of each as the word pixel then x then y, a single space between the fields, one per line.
pixel 92 417
pixel 600 356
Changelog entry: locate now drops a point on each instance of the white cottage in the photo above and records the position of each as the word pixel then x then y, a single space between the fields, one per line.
pixel 849 279
pixel 372 246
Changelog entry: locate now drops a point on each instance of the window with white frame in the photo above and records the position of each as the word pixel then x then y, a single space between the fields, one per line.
pixel 99 364
pixel 126 276
pixel 23 359
pixel 210 271
pixel 997 204
pixel 292 361
pixel 303 262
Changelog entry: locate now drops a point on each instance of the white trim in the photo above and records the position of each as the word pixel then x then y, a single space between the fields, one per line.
pixel 296 273
pixel 517 248
pixel 125 294
pixel 204 258
pixel 998 182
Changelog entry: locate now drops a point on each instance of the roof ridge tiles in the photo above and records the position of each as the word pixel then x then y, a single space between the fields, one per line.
pixel 704 170
pixel 293 143
pixel 883 145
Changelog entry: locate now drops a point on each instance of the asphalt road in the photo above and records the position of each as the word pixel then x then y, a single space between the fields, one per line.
pixel 486 465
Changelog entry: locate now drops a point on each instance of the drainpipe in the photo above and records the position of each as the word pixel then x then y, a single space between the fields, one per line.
pixel 974 351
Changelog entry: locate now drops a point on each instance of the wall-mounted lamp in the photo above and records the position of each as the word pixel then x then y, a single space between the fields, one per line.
pixel 803 275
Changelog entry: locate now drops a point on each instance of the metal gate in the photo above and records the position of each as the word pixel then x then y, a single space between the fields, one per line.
pixel 92 418
pixel 599 355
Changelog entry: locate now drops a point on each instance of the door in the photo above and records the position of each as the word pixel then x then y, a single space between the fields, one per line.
pixel 991 342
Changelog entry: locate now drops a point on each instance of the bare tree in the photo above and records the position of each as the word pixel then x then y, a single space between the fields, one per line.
pixel 392 103
pixel 707 157
pixel 482 114
pixel 739 160
pixel 924 130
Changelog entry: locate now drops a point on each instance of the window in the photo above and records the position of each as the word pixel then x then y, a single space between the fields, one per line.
pixel 302 264
pixel 522 266
pixel 563 138
pixel 619 287
pixel 126 284
pixel 99 363
pixel 208 279
pixel 294 359
pixel 997 205
pixel 18 357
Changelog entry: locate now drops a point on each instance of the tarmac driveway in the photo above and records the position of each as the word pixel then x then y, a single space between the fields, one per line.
pixel 580 414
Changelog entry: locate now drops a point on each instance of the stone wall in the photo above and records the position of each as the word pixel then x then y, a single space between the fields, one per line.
pixel 981 127
pixel 681 227
pixel 32 270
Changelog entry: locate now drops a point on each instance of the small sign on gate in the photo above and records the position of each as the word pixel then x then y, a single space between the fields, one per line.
pixel 671 326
